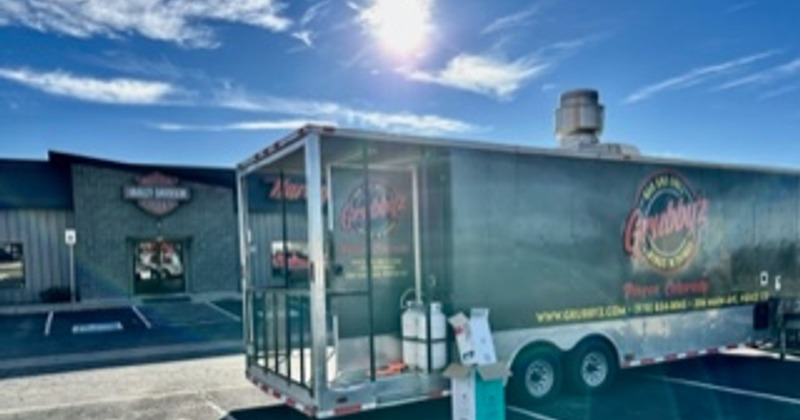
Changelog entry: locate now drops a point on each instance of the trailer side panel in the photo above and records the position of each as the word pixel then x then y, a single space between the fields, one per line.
pixel 545 240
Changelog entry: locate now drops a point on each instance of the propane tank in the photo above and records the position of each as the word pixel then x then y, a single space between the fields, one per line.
pixel 410 323
pixel 438 339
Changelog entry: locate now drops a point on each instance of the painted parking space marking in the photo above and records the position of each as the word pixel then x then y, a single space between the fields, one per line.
pixel 97 327
pixel 183 314
pixel 141 316
pixel 528 413
pixel 222 310
pixel 225 415
pixel 726 389
pixel 68 322
pixel 48 324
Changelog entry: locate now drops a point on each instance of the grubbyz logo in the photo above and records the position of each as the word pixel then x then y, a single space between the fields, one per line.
pixel 157 194
pixel 664 227
pixel 385 208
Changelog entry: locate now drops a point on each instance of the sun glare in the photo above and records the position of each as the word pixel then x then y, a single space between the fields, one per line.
pixel 401 26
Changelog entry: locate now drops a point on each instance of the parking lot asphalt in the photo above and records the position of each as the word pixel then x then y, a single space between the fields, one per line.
pixel 753 386
pixel 719 387
pixel 68 338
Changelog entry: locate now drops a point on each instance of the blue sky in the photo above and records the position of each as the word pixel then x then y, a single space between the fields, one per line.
pixel 209 82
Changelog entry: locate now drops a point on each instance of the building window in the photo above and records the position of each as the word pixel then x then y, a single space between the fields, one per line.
pixel 12 265
pixel 159 267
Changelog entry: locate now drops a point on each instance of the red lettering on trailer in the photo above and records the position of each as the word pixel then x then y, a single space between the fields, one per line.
pixel 699 287
pixel 633 290
pixel 292 191
pixel 380 208
pixel 681 217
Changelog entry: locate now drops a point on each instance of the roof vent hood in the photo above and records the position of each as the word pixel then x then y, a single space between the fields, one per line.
pixel 579 123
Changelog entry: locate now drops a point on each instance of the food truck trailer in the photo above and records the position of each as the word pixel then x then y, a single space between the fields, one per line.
pixel 590 258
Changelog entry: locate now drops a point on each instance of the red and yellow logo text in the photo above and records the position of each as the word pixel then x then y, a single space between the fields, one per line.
pixel 664 228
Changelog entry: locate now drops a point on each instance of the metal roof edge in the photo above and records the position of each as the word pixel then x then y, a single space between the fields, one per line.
pixel 352 133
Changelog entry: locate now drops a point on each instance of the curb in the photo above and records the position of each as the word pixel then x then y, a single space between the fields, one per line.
pixel 45 362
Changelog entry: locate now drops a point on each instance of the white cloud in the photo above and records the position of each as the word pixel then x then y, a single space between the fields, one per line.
pixel 408 121
pixel 765 76
pixel 736 8
pixel 344 115
pixel 511 21
pixel 183 22
pixel 696 76
pixel 313 12
pixel 779 92
pixel 305 37
pixel 484 75
pixel 261 125
pixel 547 87
pixel 109 91
pixel 305 34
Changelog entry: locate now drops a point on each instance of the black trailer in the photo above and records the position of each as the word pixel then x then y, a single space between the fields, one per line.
pixel 588 262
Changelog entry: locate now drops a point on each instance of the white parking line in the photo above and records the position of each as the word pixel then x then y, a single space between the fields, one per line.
pixel 141 317
pixel 223 311
pixel 48 324
pixel 528 413
pixel 729 390
pixel 220 411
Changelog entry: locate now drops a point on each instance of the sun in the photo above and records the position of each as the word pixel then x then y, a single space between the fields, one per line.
pixel 401 26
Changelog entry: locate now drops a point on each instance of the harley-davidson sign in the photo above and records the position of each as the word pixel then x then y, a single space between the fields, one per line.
pixel 157 193
pixel 664 227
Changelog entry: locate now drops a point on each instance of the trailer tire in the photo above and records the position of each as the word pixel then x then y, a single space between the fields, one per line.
pixel 591 366
pixel 536 377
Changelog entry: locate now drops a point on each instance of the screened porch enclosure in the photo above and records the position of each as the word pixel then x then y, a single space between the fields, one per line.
pixel 333 252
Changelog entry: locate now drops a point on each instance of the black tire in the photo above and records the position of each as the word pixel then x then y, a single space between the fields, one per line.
pixel 536 377
pixel 591 367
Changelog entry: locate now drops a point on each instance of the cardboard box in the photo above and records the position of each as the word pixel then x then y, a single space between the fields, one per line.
pixel 474 337
pixel 477 392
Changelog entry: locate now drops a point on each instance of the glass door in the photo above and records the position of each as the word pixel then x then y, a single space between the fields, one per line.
pixel 372 246
pixel 159 267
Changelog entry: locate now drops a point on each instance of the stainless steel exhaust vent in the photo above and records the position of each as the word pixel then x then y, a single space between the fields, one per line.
pixel 579 119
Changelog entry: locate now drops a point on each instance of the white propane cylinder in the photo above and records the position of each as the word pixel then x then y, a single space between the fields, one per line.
pixel 438 339
pixel 409 325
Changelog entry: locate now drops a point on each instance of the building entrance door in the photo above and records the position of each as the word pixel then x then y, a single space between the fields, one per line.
pixel 159 267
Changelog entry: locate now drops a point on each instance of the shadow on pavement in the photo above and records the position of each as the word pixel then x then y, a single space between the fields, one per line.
pixel 234 306
pixel 22 327
pixel 430 410
pixel 275 412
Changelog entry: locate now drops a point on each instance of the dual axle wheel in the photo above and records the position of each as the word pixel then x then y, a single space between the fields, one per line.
pixel 540 371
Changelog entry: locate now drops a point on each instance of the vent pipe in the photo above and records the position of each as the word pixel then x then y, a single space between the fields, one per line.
pixel 579 119
pixel 579 123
